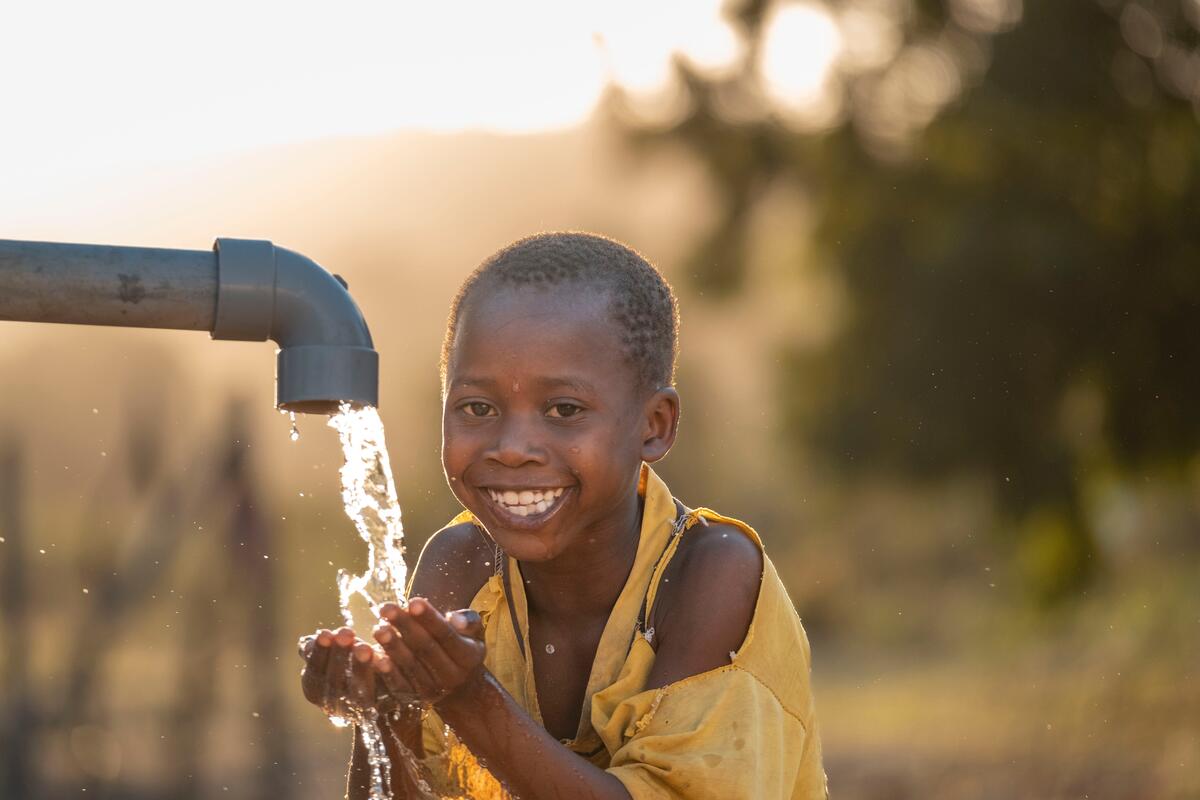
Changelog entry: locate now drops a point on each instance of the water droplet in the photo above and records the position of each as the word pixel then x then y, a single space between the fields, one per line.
pixel 550 649
pixel 295 433
pixel 85 590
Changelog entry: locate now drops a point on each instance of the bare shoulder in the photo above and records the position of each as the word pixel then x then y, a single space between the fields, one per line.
pixel 454 564
pixel 705 602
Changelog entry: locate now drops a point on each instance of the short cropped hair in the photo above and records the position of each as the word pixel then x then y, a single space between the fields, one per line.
pixel 640 301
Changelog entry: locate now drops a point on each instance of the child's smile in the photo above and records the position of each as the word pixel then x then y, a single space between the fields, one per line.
pixel 537 504
pixel 543 423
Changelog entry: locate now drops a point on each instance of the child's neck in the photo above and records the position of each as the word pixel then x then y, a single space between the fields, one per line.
pixel 586 580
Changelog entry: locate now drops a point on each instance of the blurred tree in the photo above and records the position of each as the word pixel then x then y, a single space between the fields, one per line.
pixel 1008 193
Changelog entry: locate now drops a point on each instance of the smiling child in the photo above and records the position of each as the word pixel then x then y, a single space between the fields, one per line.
pixel 613 642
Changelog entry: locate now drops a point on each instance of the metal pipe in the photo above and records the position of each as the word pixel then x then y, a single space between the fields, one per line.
pixel 88 284
pixel 244 289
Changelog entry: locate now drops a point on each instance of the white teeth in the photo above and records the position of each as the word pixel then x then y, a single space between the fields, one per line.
pixel 526 502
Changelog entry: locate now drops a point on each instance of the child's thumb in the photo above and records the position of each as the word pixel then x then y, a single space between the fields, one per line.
pixel 466 622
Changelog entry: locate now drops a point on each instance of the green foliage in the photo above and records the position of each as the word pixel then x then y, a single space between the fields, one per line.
pixel 1035 240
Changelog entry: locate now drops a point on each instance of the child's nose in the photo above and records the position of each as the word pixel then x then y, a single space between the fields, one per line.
pixel 516 443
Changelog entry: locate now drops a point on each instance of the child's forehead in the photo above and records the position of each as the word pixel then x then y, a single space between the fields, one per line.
pixel 568 308
pixel 539 332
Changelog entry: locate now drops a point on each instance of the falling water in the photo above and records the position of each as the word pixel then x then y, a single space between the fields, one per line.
pixel 369 496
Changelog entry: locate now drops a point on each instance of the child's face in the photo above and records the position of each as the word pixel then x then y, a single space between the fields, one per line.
pixel 544 425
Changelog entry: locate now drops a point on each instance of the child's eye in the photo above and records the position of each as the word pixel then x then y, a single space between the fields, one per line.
pixel 479 409
pixel 563 410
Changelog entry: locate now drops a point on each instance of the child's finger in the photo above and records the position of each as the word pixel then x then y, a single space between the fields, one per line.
pixel 336 679
pixel 466 622
pixel 456 652
pixel 393 679
pixel 426 633
pixel 400 656
pixel 315 651
pixel 406 660
pixel 390 611
pixel 362 675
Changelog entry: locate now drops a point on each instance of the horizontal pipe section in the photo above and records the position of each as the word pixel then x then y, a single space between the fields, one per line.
pixel 246 290
pixel 89 284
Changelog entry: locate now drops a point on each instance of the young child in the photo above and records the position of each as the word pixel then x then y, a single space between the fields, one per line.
pixel 615 643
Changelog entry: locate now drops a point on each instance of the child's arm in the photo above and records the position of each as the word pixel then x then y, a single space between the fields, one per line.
pixel 519 751
pixel 447 669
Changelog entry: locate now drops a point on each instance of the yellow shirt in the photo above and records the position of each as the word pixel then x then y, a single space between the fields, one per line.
pixel 743 730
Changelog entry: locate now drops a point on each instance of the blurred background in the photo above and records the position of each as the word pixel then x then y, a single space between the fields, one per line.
pixel 939 268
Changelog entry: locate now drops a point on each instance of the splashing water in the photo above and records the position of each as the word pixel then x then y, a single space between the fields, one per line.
pixel 369 496
pixel 294 433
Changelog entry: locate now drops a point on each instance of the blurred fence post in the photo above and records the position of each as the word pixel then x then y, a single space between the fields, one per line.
pixel 19 723
pixel 254 568
pixel 190 718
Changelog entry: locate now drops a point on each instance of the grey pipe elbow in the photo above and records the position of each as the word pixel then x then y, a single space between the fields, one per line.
pixel 326 356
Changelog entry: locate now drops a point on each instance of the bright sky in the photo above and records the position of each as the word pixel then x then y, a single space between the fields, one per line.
pixel 92 90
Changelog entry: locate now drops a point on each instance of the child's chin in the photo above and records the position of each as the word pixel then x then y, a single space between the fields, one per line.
pixel 525 546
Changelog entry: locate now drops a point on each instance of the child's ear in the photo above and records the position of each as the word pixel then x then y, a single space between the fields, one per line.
pixel 661 424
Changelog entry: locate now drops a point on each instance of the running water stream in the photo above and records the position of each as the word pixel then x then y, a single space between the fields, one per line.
pixel 369 496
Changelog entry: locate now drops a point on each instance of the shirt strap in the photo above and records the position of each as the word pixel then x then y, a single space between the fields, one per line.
pixel 508 596
pixel 682 522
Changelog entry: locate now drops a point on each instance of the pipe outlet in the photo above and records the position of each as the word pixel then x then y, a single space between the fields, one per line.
pixel 326 356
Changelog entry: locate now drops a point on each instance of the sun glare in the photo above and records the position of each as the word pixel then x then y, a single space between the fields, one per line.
pixel 801 46
pixel 102 89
